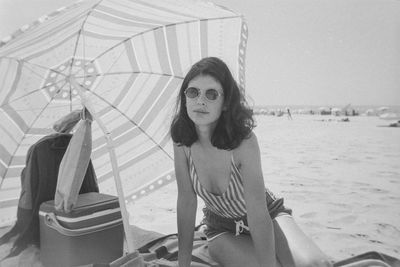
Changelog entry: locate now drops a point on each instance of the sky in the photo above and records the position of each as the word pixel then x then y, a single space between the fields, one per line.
pixel 300 52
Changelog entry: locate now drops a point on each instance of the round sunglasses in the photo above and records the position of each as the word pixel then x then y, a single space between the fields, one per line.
pixel 193 92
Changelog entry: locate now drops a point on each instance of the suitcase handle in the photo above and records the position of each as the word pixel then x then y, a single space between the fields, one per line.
pixel 51 221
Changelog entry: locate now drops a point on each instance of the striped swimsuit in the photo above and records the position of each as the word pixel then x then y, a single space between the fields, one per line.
pixel 231 203
pixel 227 212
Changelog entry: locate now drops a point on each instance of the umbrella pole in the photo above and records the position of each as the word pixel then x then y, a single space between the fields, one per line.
pixel 121 197
pixel 125 216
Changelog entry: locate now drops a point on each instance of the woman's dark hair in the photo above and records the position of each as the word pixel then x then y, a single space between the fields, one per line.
pixel 235 122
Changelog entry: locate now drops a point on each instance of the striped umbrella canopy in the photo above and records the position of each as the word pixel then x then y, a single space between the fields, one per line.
pixel 124 61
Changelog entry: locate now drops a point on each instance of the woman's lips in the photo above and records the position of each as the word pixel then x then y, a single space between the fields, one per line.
pixel 200 111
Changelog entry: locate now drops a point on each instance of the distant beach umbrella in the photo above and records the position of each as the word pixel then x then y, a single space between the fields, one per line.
pixel 370 112
pixel 390 116
pixel 336 111
pixel 122 60
pixel 383 109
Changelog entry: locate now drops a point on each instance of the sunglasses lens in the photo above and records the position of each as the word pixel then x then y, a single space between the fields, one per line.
pixel 212 94
pixel 191 92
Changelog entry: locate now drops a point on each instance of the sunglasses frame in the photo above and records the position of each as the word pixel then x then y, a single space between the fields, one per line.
pixel 205 92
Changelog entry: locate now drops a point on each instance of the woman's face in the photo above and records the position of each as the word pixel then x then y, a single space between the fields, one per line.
pixel 201 109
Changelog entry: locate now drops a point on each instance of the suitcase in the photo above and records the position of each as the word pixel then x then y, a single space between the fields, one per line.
pixel 91 232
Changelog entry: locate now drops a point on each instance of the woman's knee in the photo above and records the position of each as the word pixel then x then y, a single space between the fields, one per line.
pixel 307 256
pixel 294 248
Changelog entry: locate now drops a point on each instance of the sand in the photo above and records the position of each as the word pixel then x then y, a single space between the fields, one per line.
pixel 342 180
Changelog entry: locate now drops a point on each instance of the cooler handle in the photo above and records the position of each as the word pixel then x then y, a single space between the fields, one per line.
pixel 51 221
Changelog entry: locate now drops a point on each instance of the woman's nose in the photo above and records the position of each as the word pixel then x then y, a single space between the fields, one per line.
pixel 201 99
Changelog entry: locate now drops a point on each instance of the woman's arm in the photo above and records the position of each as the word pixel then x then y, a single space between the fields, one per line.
pixel 259 220
pixel 186 207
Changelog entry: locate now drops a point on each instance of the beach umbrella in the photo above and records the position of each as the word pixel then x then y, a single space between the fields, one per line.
pixel 383 109
pixel 390 116
pixel 370 112
pixel 336 111
pixel 122 60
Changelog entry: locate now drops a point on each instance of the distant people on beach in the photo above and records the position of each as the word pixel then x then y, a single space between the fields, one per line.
pixel 325 111
pixel 288 113
pixel 217 157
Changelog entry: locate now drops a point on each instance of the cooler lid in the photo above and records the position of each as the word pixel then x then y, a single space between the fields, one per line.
pixel 87 203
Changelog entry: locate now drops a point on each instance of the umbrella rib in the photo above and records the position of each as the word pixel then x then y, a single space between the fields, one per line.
pixel 25 61
pixel 132 72
pixel 127 39
pixel 32 92
pixel 37 74
pixel 129 119
pixel 135 35
pixel 23 137
pixel 113 63
pixel 34 64
pixel 70 97
pixel 159 27
pixel 79 35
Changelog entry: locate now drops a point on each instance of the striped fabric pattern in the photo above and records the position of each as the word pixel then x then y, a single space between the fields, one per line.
pixel 131 57
pixel 231 203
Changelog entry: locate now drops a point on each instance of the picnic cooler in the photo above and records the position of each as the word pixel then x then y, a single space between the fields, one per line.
pixel 91 232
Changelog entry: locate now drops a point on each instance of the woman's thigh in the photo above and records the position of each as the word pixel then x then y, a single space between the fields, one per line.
pixel 293 247
pixel 233 251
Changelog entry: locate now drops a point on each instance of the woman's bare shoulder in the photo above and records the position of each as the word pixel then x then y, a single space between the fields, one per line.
pixel 249 143
pixel 248 148
pixel 181 149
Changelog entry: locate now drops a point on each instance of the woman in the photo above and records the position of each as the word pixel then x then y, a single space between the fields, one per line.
pixel 217 157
